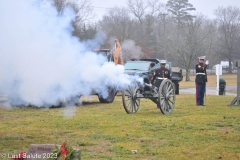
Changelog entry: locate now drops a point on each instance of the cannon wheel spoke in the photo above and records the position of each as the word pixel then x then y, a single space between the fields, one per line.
pixel 166 96
pixel 131 104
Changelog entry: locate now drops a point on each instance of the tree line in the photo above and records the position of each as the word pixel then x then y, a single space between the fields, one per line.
pixel 165 31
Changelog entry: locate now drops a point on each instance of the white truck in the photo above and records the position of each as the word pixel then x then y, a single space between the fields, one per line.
pixel 225 65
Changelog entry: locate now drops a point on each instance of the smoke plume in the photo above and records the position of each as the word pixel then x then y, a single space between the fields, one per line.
pixel 131 49
pixel 42 64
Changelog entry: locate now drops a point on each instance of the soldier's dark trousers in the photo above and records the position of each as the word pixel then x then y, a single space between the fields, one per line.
pixel 200 90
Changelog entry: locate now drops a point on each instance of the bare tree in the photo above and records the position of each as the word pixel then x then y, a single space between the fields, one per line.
pixel 210 42
pixel 156 9
pixel 156 22
pixel 186 42
pixel 60 5
pixel 148 15
pixel 83 10
pixel 138 9
pixel 228 20
pixel 83 13
pixel 117 23
pixel 188 34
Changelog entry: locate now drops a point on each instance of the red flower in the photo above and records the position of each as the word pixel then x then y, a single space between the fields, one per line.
pixel 64 150
pixel 63 146
pixel 19 156
pixel 64 153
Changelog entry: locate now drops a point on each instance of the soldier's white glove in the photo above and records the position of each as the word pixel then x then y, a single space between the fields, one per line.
pixel 207 62
pixel 149 85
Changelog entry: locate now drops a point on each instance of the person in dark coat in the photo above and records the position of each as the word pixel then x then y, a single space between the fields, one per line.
pixel 200 80
pixel 161 72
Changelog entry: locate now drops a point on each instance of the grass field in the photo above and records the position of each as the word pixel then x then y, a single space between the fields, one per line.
pixel 105 131
pixel 231 80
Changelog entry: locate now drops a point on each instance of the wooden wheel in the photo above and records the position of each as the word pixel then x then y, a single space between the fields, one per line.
pixel 166 96
pixel 130 101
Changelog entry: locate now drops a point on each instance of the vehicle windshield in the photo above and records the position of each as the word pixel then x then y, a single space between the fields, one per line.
pixel 137 66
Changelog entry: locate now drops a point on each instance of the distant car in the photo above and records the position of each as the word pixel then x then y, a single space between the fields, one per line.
pixel 225 65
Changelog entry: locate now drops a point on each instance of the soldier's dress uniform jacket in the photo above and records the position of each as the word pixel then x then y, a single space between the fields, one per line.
pixel 201 79
pixel 161 72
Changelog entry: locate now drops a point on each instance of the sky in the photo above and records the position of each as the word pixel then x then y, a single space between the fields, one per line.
pixel 206 7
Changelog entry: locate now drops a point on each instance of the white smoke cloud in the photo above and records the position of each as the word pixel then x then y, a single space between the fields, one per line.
pixel 42 63
pixel 131 50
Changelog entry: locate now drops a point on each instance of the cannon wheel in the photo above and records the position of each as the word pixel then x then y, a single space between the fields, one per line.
pixel 166 96
pixel 131 103
pixel 110 98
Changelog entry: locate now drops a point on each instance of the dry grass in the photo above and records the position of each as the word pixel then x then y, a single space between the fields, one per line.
pixel 105 131
pixel 231 80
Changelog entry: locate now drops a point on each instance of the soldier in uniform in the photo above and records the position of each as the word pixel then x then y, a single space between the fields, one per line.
pixel 201 79
pixel 161 72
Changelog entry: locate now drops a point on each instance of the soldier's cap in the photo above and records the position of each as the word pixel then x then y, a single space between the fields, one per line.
pixel 202 57
pixel 163 61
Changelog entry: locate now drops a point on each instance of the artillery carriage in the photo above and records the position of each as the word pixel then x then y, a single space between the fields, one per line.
pixel 161 92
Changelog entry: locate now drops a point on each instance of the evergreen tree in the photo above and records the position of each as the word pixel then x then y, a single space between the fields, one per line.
pixel 180 9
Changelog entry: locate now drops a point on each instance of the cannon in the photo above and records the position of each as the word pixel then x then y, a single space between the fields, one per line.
pixel 161 92
pixel 163 96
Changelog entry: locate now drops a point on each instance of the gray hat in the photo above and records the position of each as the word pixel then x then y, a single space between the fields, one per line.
pixel 202 57
pixel 163 61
